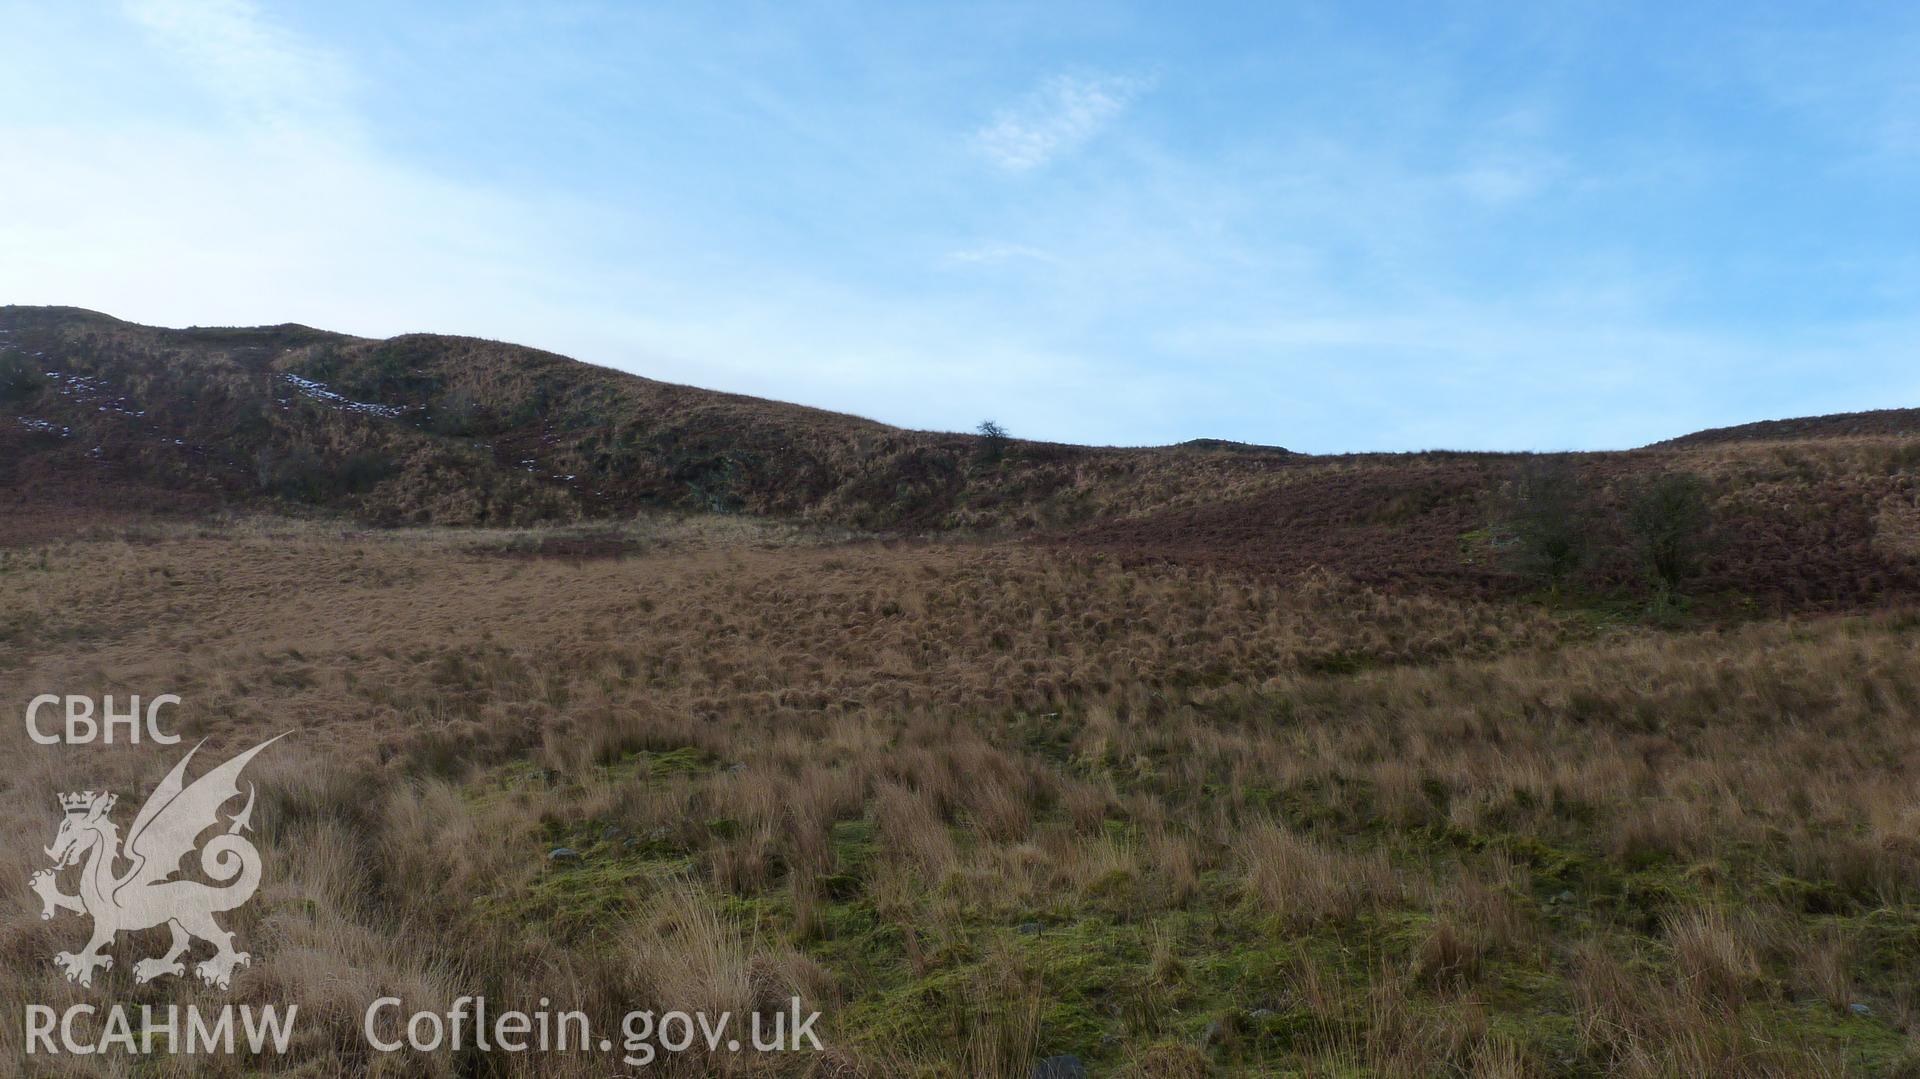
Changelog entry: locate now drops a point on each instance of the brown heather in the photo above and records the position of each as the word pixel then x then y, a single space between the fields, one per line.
pixel 985 803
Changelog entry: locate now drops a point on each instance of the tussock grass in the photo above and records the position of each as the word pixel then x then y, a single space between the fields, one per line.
pixel 983 804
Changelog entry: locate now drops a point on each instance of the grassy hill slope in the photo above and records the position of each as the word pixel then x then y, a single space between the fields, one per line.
pixel 1896 422
pixel 434 429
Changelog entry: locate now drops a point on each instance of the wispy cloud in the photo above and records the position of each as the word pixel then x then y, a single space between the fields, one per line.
pixel 987 254
pixel 1859 87
pixel 1499 182
pixel 260 72
pixel 269 202
pixel 1063 114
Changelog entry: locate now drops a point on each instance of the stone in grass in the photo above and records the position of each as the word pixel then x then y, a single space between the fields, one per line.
pixel 563 854
pixel 1064 1066
pixel 1858 1008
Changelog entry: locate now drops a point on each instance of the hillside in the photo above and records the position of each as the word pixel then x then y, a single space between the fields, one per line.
pixel 102 416
pixel 452 430
pixel 1884 422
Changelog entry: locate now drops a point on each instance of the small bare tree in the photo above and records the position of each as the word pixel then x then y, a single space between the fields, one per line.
pixel 993 441
pixel 1671 521
pixel 1549 519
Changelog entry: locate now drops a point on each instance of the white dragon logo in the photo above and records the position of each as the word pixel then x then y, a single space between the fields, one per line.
pixel 164 832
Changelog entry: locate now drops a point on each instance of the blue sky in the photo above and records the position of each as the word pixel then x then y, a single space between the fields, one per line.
pixel 1333 226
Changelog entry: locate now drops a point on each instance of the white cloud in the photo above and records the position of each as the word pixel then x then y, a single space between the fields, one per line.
pixel 1860 88
pixel 1500 182
pixel 987 254
pixel 260 72
pixel 273 209
pixel 1058 118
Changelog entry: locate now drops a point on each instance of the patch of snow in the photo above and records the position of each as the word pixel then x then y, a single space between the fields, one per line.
pixel 45 426
pixel 319 392
pixel 88 390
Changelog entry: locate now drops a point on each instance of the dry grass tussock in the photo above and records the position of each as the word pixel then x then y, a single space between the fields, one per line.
pixel 982 805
